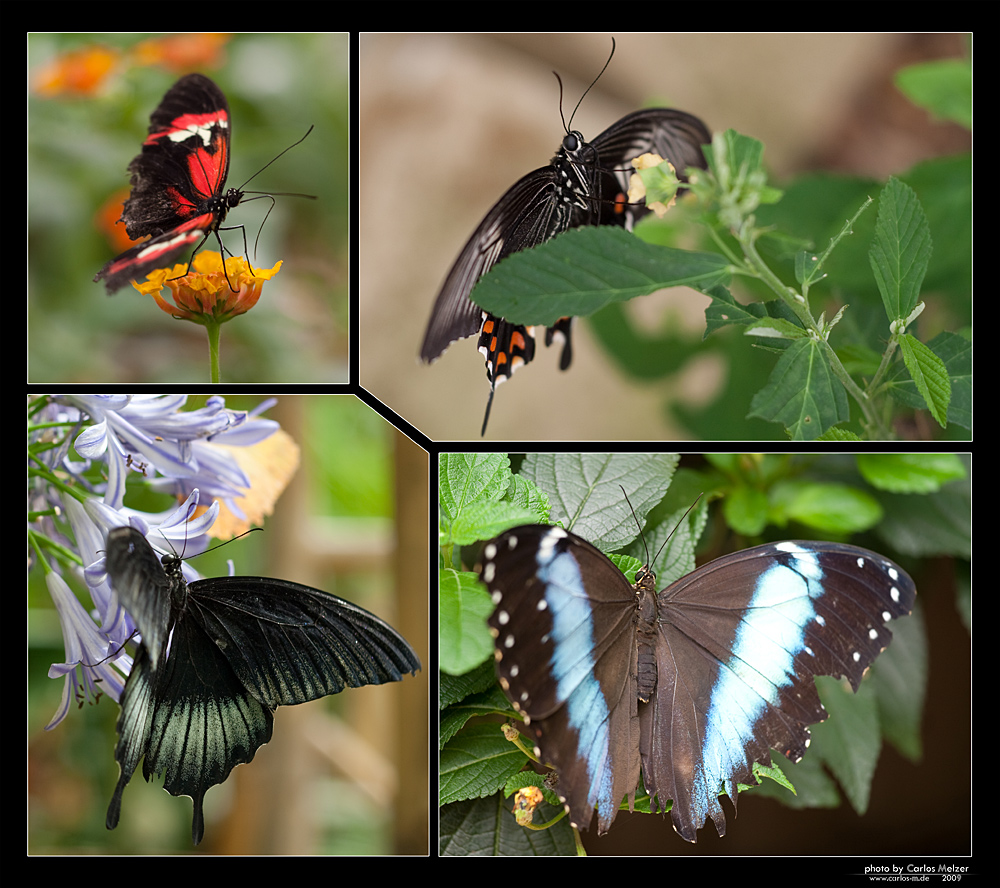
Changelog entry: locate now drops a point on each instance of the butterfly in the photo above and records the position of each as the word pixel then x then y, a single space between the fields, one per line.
pixel 179 191
pixel 689 686
pixel 584 184
pixel 218 656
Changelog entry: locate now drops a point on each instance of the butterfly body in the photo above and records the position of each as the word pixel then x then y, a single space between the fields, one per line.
pixel 178 181
pixel 691 685
pixel 217 658
pixel 582 185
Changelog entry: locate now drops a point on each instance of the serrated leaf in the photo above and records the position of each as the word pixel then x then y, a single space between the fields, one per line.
pixel 802 393
pixel 585 490
pixel 836 434
pixel 465 477
pixel 929 374
pixel 465 606
pixel 583 270
pixel 956 353
pixel 901 249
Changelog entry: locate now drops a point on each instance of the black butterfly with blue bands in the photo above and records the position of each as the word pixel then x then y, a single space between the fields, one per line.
pixel 689 686
pixel 217 658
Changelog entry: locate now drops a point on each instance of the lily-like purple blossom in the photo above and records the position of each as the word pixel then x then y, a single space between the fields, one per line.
pixel 75 502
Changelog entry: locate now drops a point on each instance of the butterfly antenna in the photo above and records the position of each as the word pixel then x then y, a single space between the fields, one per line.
pixel 114 655
pixel 679 523
pixel 669 536
pixel 589 88
pixel 637 524
pixel 266 165
pixel 233 540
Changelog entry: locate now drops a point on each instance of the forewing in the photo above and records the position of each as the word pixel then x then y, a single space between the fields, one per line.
pixel 520 219
pixel 675 135
pixel 142 586
pixel 184 160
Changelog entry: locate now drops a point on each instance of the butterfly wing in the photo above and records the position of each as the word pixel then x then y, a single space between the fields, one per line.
pixel 674 135
pixel 566 657
pixel 526 215
pixel 177 180
pixel 238 648
pixel 521 218
pixel 289 643
pixel 142 586
pixel 193 721
pixel 740 642
pixel 184 160
pixel 580 187
pixel 157 252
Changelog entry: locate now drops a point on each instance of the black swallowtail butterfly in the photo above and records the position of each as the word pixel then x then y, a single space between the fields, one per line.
pixel 584 184
pixel 217 658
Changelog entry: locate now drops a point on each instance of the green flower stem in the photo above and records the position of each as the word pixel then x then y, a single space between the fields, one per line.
pixel 213 329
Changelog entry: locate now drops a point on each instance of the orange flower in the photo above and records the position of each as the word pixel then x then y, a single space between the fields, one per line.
pixel 204 295
pixel 82 72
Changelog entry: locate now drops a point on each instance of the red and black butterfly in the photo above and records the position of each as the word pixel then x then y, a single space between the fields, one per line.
pixel 584 184
pixel 178 181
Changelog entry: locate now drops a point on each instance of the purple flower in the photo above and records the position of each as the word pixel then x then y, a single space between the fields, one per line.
pixel 74 502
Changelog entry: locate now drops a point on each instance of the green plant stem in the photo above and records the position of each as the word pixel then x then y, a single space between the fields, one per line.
pixel 213 331
pixel 800 306
pixel 883 367
pixel 764 273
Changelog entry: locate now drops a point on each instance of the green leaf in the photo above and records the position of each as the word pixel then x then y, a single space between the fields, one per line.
pixel 775 328
pixel 943 87
pixel 586 490
pixel 465 477
pixel 583 270
pixel 836 434
pixel 465 607
pixel 725 310
pixel 746 510
pixel 901 249
pixel 909 472
pixel 929 374
pixel 956 353
pixel 850 740
pixel 476 762
pixel 808 267
pixel 802 393
pixel 833 508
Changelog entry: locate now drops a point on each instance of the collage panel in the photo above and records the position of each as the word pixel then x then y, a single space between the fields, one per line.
pixel 203 181
pixel 297 645
pixel 799 262
pixel 628 637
